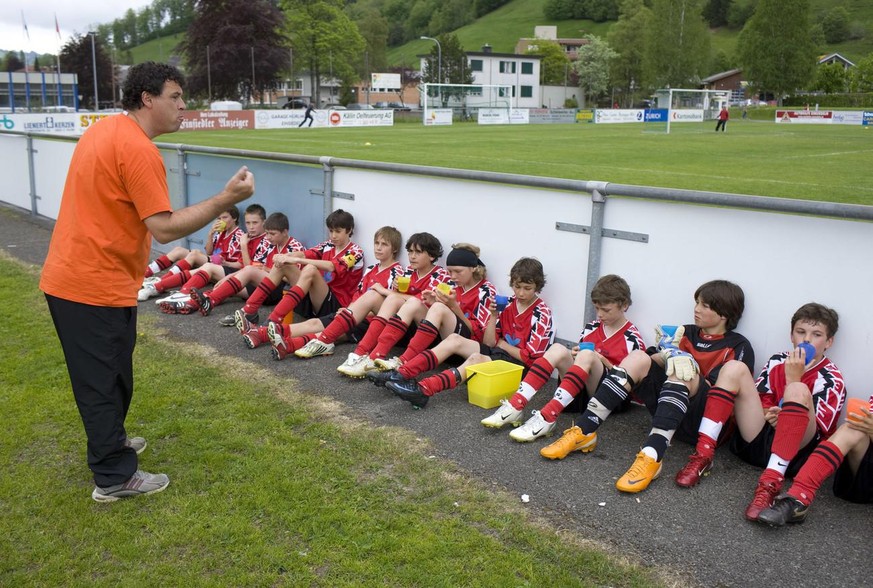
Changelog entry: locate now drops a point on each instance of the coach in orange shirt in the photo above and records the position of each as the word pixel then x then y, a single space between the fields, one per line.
pixel 115 199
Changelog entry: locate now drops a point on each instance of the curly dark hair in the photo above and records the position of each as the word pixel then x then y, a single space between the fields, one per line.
pixel 148 77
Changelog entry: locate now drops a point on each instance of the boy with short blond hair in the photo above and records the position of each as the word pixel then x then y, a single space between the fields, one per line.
pixel 782 416
pixel 611 337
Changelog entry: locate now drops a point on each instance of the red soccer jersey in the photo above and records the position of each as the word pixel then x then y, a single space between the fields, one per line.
pixel 373 275
pixel 227 244
pixel 259 248
pixel 474 304
pixel 615 347
pixel 531 331
pixel 429 281
pixel 824 381
pixel 348 264
pixel 290 246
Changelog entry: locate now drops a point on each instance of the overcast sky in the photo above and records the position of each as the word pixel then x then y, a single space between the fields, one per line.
pixel 74 16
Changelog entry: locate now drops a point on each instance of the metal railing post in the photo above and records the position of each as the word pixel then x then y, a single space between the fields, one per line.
pixel 595 246
pixel 31 168
pixel 328 189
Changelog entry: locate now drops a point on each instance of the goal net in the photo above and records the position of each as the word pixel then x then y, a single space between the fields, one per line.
pixel 689 105
pixel 462 101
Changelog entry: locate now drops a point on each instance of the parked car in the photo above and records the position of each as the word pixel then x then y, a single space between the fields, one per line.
pixel 294 103
pixel 399 106
pixel 333 106
pixel 355 106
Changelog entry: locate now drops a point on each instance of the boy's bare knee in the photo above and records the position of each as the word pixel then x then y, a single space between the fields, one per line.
pixel 799 393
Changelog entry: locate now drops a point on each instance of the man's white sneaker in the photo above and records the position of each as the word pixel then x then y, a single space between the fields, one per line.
pixel 174 297
pixel 502 416
pixel 315 348
pixel 138 484
pixel 146 292
pixel 387 365
pixel 535 427
pixel 357 369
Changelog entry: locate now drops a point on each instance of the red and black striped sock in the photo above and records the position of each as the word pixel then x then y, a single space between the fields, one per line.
pixel 371 337
pixel 225 290
pixel 391 334
pixel 198 280
pixel 342 323
pixel 424 336
pixel 822 463
pixel 256 300
pixel 423 362
pixel 442 381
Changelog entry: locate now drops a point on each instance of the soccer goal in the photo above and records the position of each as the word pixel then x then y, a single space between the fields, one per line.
pixel 690 105
pixel 442 102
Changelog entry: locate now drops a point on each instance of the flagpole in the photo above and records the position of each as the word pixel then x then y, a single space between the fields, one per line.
pixel 58 31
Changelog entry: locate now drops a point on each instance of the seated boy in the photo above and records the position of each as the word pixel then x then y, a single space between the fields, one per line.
pixel 521 335
pixel 849 453
pixel 276 241
pixel 673 379
pixel 241 250
pixel 781 417
pixel 613 337
pixel 350 321
pixel 323 278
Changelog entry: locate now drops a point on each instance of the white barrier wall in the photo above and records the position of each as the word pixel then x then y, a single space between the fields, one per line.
pixel 781 260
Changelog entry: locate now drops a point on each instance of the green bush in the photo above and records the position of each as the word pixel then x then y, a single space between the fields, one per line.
pixel 858 100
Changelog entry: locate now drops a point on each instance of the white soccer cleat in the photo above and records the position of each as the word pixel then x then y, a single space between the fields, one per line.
pixel 502 416
pixel 357 368
pixel 535 427
pixel 174 297
pixel 146 292
pixel 152 280
pixel 315 348
pixel 388 365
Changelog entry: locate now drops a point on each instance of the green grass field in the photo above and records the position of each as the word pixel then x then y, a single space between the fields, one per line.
pixel 808 162
pixel 260 495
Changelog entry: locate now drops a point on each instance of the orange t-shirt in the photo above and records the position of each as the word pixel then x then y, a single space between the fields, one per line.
pixel 100 244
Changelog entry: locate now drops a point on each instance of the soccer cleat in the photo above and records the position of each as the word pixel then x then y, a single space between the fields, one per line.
pixel 350 362
pixel 253 338
pixel 387 365
pixel 785 509
pixel 409 391
pixel 151 280
pixel 315 348
pixel 535 427
pixel 244 322
pixel 572 440
pixel 380 379
pixel 697 467
pixel 178 307
pixel 146 292
pixel 227 321
pixel 138 444
pixel 503 415
pixel 174 297
pixel 202 301
pixel 640 475
pixel 359 369
pixel 765 494
pixel 138 484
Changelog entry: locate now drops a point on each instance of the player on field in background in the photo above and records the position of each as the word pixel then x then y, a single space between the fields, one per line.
pixel 612 336
pixel 674 379
pixel 350 321
pixel 782 416
pixel 521 335
pixel 849 453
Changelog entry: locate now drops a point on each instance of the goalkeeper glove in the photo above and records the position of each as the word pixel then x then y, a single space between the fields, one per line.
pixel 666 340
pixel 679 364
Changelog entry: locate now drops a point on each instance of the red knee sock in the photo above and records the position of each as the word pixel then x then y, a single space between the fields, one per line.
pixel 225 290
pixel 288 303
pixel 371 337
pixel 538 374
pixel 424 336
pixel 171 281
pixel 442 381
pixel 793 419
pixel 343 322
pixel 572 384
pixel 253 304
pixel 423 362
pixel 183 265
pixel 295 343
pixel 198 280
pixel 822 463
pixel 391 334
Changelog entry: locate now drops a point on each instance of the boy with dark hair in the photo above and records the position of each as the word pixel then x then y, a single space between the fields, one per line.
pixel 276 241
pixel 849 453
pixel 674 379
pixel 322 278
pixel 781 417
pixel 611 336
pixel 520 335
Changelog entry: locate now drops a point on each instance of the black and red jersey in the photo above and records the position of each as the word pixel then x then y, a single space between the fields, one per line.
pixel 531 331
pixel 348 264
pixel 290 246
pixel 614 347
pixel 713 351
pixel 824 381
pixel 373 275
pixel 226 244
pixel 474 303
pixel 419 283
pixel 259 248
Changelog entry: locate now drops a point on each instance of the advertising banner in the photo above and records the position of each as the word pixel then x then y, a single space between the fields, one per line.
pixel 551 116
pixel 868 118
pixel 585 115
pixel 656 115
pixel 686 115
pixel 493 116
pixel 618 115
pixel 285 119
pixel 848 117
pixel 72 123
pixel 438 116
pixel 519 116
pixel 217 120
pixel 361 118
pixel 805 117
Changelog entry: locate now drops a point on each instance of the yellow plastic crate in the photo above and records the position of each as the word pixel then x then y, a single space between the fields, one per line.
pixel 489 383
